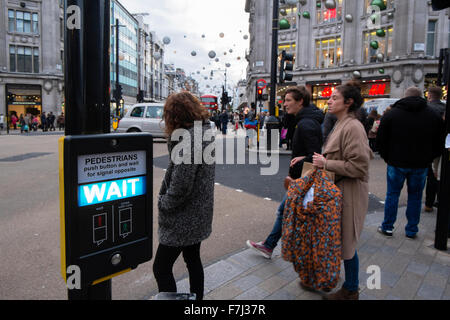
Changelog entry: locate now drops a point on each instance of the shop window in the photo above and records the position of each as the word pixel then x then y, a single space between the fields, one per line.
pixel 384 45
pixel 431 37
pixel 328 53
pixel 325 15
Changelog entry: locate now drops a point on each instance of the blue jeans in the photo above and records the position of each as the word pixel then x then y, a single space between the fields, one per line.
pixel 275 236
pixel 351 266
pixel 415 179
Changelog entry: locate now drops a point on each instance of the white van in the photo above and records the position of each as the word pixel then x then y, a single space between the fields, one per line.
pixel 379 104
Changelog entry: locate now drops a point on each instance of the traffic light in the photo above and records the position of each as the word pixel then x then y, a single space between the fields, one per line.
pixel 260 94
pixel 118 91
pixel 287 64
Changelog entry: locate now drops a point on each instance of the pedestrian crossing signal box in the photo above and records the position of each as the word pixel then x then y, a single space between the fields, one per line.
pixel 106 204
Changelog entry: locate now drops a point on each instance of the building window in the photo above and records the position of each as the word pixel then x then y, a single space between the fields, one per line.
pixel 328 53
pixel 388 3
pixel 325 15
pixel 384 45
pixel 11 21
pixel 24 22
pixel 12 58
pixel 23 59
pixel 431 37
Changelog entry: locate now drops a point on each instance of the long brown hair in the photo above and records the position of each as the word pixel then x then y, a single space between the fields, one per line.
pixel 181 110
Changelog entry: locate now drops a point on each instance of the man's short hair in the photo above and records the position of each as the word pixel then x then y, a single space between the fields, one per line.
pixel 435 93
pixel 299 93
pixel 413 92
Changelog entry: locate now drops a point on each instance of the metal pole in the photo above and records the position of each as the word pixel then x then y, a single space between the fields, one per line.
pixel 87 83
pixel 273 74
pixel 7 109
pixel 273 123
pixel 442 222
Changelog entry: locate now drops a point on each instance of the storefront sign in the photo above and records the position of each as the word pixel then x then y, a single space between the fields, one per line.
pixel 377 89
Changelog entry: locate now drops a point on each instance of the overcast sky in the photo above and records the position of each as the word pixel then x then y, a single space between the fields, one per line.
pixel 185 21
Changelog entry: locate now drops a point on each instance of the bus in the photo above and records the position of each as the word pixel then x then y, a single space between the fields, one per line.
pixel 210 102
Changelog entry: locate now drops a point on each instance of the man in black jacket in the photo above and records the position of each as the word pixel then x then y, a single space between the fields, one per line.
pixel 307 140
pixel 410 136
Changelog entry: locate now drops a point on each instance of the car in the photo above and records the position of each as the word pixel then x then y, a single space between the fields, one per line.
pixel 379 104
pixel 144 117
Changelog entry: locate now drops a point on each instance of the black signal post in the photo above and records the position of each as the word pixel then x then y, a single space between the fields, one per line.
pixel 87 83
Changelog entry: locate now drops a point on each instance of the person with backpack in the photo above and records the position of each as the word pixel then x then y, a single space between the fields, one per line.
pixel 347 153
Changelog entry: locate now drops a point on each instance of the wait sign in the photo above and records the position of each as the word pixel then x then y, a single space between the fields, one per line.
pixel 106 204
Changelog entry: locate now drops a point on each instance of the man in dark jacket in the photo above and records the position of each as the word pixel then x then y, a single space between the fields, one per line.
pixel 307 140
pixel 224 121
pixel 410 136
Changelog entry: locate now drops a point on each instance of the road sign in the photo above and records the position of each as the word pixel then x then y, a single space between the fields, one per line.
pixel 261 84
pixel 106 204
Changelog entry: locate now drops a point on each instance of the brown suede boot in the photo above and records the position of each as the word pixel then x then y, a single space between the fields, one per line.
pixel 343 294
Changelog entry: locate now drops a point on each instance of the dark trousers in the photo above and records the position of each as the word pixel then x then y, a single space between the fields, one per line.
pixel 432 188
pixel 163 265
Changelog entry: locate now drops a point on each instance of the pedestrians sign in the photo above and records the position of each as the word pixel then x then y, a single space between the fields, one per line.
pixel 106 204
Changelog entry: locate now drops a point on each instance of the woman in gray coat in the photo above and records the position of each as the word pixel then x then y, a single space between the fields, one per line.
pixel 186 198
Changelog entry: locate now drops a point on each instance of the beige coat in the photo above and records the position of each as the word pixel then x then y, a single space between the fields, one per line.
pixel 348 155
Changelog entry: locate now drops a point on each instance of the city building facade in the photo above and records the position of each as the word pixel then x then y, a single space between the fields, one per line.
pixel 388 48
pixel 31 57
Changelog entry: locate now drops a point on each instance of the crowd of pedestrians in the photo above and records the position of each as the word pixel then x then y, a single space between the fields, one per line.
pixel 29 122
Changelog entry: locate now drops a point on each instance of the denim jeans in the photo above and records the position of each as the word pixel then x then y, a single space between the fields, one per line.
pixel 415 179
pixel 351 267
pixel 275 236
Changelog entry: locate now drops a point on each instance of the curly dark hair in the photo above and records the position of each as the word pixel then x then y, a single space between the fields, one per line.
pixel 181 110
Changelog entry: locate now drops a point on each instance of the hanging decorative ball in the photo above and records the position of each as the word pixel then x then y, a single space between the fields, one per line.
pixel 221 35
pixel 283 12
pixel 319 4
pixel 302 2
pixel 348 18
pixel 330 4
pixel 203 35
pixel 245 37
pixel 306 15
pixel 193 53
pixel 374 45
pixel 217 60
pixel 356 74
pixel 166 40
pixel 381 70
pixel 380 56
pixel 379 3
pixel 284 24
pixel 231 50
pixel 212 54
pixel 381 33
pixel 185 36
pixel 228 65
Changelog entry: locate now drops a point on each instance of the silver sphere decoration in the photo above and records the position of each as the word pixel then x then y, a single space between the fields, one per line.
pixel 283 12
pixel 245 37
pixel 212 54
pixel 228 65
pixel 348 18
pixel 380 57
pixel 330 4
pixel 231 50
pixel 166 40
pixel 217 60
pixel 193 53
pixel 356 74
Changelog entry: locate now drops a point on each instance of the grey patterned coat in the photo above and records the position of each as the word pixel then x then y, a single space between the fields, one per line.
pixel 186 197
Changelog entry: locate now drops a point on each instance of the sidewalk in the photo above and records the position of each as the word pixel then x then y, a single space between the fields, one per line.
pixel 410 269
